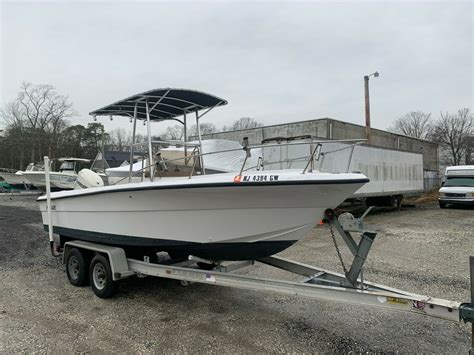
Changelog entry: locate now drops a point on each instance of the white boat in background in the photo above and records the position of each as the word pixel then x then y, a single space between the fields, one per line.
pixel 17 178
pixel 219 156
pixel 13 177
pixel 120 175
pixel 63 179
pixel 238 215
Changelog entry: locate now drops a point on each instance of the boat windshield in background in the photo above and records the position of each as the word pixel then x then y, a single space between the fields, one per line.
pixel 71 164
pixel 35 167
pixel 67 165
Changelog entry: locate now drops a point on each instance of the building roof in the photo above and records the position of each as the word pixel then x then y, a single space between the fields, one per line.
pixel 322 119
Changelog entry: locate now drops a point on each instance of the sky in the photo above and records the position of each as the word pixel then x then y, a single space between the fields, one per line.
pixel 276 62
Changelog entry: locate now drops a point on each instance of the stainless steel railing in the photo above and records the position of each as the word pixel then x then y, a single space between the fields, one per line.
pixel 196 155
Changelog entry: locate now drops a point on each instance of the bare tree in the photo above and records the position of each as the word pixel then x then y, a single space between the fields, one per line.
pixel 243 123
pixel 454 132
pixel 470 151
pixel 37 114
pixel 38 106
pixel 416 124
pixel 119 139
pixel 206 128
pixel 174 133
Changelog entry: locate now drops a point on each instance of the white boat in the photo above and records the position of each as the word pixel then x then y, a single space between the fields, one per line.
pixel 63 179
pixel 13 177
pixel 17 178
pixel 228 216
pixel 220 216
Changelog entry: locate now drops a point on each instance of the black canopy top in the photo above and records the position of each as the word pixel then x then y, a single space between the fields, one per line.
pixel 163 104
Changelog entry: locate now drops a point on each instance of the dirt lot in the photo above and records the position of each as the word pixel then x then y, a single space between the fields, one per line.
pixel 423 250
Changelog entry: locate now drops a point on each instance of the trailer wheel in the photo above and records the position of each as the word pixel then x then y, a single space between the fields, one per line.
pixel 442 204
pixel 77 268
pixel 101 279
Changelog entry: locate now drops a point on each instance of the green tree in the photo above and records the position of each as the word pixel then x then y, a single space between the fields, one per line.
pixel 94 137
pixel 72 141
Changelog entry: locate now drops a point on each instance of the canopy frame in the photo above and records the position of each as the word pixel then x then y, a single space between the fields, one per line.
pixel 162 105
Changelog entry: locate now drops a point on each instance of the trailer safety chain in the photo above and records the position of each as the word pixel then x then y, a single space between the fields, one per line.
pixel 337 249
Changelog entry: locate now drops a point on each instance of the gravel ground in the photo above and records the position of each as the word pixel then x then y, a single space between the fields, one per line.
pixel 423 250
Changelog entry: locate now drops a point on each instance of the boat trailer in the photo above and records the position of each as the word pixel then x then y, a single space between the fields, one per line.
pixel 110 264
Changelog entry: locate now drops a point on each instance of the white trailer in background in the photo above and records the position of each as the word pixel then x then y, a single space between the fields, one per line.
pixel 392 173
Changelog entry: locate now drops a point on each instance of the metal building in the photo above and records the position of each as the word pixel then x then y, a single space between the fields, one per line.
pixel 334 129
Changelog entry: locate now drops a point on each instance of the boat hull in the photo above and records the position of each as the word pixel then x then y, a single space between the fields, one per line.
pixel 63 181
pixel 15 179
pixel 36 178
pixel 59 181
pixel 220 221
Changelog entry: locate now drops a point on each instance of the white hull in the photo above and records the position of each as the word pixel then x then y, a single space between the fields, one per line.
pixel 206 209
pixel 63 181
pixel 15 178
pixel 37 178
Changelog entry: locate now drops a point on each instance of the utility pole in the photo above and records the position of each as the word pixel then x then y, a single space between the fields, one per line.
pixel 367 110
pixel 367 106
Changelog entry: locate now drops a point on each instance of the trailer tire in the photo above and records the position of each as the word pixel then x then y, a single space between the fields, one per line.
pixel 100 274
pixel 77 268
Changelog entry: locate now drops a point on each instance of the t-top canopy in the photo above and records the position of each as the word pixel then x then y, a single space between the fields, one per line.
pixel 163 104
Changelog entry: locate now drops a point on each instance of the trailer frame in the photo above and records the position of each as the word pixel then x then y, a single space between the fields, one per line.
pixel 316 283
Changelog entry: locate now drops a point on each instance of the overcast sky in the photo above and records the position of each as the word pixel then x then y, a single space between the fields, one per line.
pixel 273 61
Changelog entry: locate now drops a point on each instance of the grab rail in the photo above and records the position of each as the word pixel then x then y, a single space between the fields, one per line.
pixel 316 153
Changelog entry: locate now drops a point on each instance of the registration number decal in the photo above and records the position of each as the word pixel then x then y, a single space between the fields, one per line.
pixel 255 178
